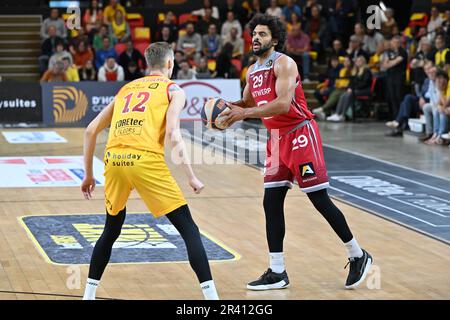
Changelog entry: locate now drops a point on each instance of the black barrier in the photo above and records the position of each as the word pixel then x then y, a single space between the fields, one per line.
pixel 20 102
pixel 75 104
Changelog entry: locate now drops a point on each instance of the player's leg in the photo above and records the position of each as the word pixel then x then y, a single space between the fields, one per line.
pixel 277 181
pixel 117 190
pixel 102 252
pixel 313 180
pixel 162 195
pixel 182 220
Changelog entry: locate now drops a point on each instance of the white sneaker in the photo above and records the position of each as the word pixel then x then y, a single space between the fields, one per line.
pixel 333 117
pixel 306 80
pixel 392 124
pixel 317 110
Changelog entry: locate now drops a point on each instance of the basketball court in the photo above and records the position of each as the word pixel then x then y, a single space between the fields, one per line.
pixel 47 231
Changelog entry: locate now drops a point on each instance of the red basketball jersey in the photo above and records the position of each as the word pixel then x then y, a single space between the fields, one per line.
pixel 261 81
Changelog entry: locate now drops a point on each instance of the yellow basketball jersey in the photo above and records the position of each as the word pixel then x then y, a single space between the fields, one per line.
pixel 139 118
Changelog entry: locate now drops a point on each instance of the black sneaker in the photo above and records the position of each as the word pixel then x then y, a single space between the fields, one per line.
pixel 358 270
pixel 270 281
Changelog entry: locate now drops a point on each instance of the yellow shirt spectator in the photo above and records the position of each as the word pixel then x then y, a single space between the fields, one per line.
pixel 72 74
pixel 110 11
pixel 343 81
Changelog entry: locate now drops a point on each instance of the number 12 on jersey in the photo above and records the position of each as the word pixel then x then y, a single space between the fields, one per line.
pixel 140 106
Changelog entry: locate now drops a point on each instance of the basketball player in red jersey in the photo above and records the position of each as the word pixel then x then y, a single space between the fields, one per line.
pixel 274 93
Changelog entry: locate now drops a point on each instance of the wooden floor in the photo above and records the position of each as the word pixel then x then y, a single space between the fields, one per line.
pixel 410 265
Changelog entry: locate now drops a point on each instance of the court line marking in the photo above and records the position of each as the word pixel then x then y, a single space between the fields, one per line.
pixel 418 207
pixel 236 255
pixel 384 161
pixel 386 207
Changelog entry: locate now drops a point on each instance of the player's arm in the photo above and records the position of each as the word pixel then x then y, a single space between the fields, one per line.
pixel 286 82
pixel 173 133
pixel 102 121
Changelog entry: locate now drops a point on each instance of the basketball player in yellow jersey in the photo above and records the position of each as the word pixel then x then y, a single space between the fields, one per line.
pixel 142 114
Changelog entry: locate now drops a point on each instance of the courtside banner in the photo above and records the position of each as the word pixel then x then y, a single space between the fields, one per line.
pixel 75 104
pixel 199 91
pixel 20 102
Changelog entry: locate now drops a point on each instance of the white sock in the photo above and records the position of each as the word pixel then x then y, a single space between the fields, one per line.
pixel 209 290
pixel 91 288
pixel 277 262
pixel 353 249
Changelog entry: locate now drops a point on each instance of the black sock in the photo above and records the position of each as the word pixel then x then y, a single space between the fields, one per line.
pixel 331 213
pixel 182 220
pixel 102 250
pixel 274 210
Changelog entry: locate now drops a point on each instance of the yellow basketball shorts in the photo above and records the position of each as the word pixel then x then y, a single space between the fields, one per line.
pixel 147 172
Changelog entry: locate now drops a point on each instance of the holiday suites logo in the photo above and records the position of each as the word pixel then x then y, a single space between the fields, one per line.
pixel 69 104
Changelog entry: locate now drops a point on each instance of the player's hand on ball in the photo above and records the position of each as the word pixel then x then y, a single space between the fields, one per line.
pixel 229 117
pixel 87 187
pixel 196 185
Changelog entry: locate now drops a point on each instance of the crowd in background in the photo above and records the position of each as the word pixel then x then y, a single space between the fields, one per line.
pixel 408 68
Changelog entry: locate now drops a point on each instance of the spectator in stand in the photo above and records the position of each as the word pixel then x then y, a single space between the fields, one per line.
pixel 214 11
pixel 70 70
pixel 60 53
pixel 388 26
pixel 236 42
pixel 205 21
pixel 185 72
pixel 317 30
pixel 359 86
pixel 324 88
pixel 372 41
pixel 48 48
pixel 307 8
pixel 119 27
pixel 57 22
pixel 111 71
pixel 395 66
pixel 98 38
pixel 297 47
pixel 425 52
pixel 434 24
pixel 294 22
pixel 169 23
pixel 442 55
pixel 274 9
pixel 253 8
pixel 92 16
pixel 110 11
pixel 225 69
pixel 231 22
pixel 131 55
pixel 441 110
pixel 82 54
pixel 166 36
pixel 202 71
pixel 289 8
pixel 446 27
pixel 354 48
pixel 212 43
pixel 341 84
pixel 233 6
pixel 75 41
pixel 412 104
pixel 190 43
pixel 88 72
pixel 132 71
pixel 338 12
pixel 102 54
pixel 359 32
pixel 338 49
pixel 179 57
pixel 55 74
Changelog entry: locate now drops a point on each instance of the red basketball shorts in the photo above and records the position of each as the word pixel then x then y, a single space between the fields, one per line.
pixel 297 154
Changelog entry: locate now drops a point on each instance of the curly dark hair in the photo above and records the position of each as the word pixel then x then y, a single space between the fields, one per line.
pixel 275 26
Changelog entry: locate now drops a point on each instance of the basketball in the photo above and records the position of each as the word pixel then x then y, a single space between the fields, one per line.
pixel 211 113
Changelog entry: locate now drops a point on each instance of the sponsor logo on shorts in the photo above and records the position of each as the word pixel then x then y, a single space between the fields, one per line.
pixel 307 172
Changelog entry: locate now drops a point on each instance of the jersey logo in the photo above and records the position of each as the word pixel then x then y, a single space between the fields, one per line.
pixel 153 85
pixel 307 170
pixel 269 63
